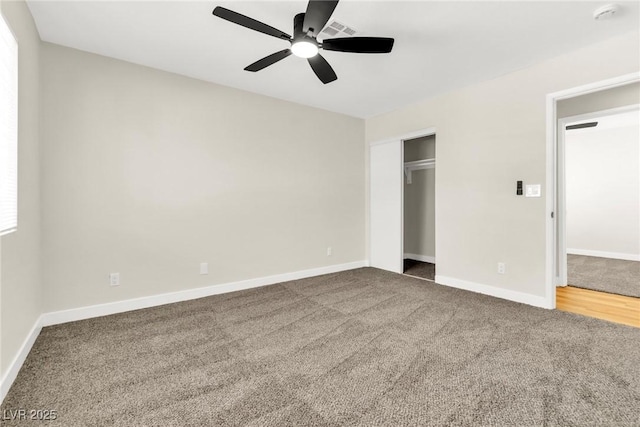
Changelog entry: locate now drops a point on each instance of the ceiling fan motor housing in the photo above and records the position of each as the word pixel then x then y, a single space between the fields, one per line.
pixel 303 45
pixel 298 31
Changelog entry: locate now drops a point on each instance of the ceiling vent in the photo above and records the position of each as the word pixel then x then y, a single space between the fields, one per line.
pixel 336 29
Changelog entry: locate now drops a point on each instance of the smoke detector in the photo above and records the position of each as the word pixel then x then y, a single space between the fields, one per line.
pixel 606 12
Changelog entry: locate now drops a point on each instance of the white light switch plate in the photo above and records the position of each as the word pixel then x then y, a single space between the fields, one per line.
pixel 532 190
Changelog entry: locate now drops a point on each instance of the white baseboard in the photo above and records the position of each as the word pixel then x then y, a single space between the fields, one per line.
pixel 74 314
pixel 423 258
pixel 493 291
pixel 18 360
pixel 602 254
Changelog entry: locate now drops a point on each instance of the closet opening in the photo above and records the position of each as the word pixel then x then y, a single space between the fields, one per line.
pixel 419 234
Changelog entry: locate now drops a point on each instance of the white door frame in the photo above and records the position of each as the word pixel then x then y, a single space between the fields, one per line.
pixel 561 268
pixel 399 140
pixel 553 157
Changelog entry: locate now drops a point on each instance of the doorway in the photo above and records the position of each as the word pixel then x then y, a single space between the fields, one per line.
pixel 585 99
pixel 419 207
pixel 600 228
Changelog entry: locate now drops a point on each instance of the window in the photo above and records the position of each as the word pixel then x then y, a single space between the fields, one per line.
pixel 8 130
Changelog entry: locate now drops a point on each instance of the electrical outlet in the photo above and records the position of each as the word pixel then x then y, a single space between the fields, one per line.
pixel 204 268
pixel 502 268
pixel 329 251
pixel 114 279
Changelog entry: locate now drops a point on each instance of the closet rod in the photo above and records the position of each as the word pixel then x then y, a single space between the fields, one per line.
pixel 417 165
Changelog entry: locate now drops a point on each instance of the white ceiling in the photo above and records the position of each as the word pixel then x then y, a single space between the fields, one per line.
pixel 439 45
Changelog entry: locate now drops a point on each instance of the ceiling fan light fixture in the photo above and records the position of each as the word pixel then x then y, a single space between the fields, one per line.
pixel 304 49
pixel 304 43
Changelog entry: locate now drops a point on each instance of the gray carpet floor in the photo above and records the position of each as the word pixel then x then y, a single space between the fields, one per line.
pixel 604 274
pixel 357 348
pixel 425 270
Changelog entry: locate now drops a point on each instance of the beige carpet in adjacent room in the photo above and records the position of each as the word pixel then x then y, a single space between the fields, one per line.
pixel 604 274
pixel 357 348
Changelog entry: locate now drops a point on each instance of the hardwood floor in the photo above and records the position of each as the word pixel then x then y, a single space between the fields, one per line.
pixel 601 305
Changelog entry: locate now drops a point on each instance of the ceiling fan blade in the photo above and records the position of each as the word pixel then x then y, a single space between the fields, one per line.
pixel 359 44
pixel 250 23
pixel 323 70
pixel 317 14
pixel 268 60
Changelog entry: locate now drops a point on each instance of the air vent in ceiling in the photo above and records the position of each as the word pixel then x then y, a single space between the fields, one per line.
pixel 337 29
pixel 349 31
pixel 330 31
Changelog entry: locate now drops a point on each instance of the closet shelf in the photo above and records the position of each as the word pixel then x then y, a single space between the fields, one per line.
pixel 417 165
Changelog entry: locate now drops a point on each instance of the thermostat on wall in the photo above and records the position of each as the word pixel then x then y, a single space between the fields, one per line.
pixel 532 190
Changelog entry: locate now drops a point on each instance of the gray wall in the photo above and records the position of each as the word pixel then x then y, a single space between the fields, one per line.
pixel 148 173
pixel 20 282
pixel 491 135
pixel 419 200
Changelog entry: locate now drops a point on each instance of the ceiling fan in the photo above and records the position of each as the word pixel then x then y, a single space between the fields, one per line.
pixel 304 43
